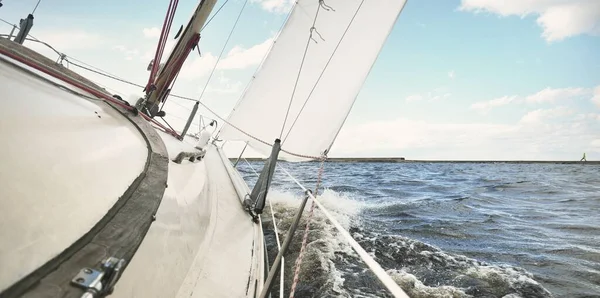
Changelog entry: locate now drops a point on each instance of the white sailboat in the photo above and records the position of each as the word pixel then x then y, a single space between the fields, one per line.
pixel 93 202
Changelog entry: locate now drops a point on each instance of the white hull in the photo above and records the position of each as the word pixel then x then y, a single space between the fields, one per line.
pixel 203 243
pixel 64 168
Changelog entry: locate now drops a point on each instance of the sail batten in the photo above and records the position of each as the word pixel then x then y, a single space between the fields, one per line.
pixel 344 39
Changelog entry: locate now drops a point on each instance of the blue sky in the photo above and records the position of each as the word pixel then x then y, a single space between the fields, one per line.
pixel 471 79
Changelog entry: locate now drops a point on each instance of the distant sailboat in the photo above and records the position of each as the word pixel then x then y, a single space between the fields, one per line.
pixel 92 201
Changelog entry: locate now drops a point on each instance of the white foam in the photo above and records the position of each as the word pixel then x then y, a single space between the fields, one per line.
pixel 344 207
pixel 415 288
pixel 324 241
pixel 326 247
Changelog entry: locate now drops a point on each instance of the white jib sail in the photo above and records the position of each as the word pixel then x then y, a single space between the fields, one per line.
pixel 345 41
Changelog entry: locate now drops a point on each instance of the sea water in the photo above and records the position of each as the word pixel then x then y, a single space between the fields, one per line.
pixel 444 229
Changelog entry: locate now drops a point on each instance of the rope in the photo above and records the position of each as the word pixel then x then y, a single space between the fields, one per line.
pixel 223 50
pixel 183 97
pixel 106 74
pixel 88 68
pixel 300 70
pixel 171 70
pixel 165 121
pixel 81 86
pixel 387 281
pixel 114 77
pixel 256 138
pixel 323 71
pixel 39 41
pixel 162 40
pixel 306 229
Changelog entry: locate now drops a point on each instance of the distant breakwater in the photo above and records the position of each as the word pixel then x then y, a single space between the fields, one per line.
pixel 401 160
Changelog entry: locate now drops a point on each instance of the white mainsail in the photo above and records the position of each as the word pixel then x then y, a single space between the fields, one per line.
pixel 345 41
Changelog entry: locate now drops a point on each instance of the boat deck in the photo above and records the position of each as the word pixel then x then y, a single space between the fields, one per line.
pixel 202 242
pixel 65 161
pixel 83 180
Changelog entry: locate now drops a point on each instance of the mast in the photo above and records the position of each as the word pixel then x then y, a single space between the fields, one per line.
pixel 163 76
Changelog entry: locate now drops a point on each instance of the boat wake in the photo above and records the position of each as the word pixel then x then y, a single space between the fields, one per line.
pixel 330 268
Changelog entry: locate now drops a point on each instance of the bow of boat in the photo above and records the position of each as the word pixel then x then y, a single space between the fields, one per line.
pixel 85 179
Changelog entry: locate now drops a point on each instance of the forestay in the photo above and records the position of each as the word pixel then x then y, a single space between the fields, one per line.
pixel 340 50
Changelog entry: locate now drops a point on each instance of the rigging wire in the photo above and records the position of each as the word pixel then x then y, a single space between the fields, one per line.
pixel 78 84
pixel 106 74
pixel 264 57
pixel 223 50
pixel 103 72
pixel 300 70
pixel 256 138
pixel 375 267
pixel 298 263
pixel 282 274
pixel 88 68
pixel 213 16
pixel 114 77
pixel 323 71
pixel 8 23
pixel 99 71
pixel 165 121
pixel 34 38
pixel 36 6
pixel 39 41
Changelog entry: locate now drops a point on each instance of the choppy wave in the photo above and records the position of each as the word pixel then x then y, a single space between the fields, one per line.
pixel 448 230
pixel 330 268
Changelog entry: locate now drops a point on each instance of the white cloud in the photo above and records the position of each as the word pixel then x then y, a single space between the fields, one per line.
pixel 486 106
pixel 224 85
pixel 436 94
pixel 556 136
pixel 547 95
pixel 590 116
pixel 275 6
pixel 129 53
pixel 543 115
pixel 153 32
pixel 552 95
pixel 149 54
pixel 440 96
pixel 69 40
pixel 559 19
pixel 239 57
pixel 596 97
pixel 451 74
pixel 414 97
pixel 197 67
